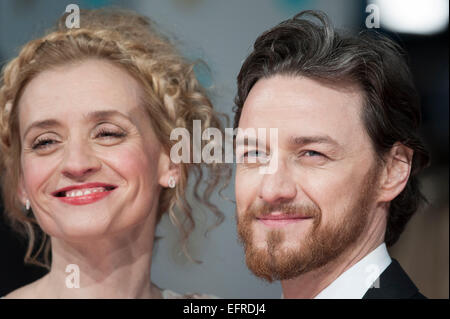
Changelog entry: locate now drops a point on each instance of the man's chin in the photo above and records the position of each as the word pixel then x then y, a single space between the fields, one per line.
pixel 276 259
pixel 274 265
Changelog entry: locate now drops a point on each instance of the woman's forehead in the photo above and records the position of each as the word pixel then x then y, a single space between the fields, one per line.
pixel 79 89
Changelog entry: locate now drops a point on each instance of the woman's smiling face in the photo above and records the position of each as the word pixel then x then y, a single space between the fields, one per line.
pixel 91 162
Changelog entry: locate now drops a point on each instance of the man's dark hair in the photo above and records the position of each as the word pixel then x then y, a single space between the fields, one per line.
pixel 391 111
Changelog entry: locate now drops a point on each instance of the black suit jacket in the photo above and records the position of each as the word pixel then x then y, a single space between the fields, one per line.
pixel 394 283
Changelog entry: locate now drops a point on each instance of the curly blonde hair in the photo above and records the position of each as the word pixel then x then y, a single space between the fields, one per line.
pixel 173 98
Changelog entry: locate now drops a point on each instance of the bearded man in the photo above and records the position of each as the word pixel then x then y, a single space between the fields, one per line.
pixel 347 157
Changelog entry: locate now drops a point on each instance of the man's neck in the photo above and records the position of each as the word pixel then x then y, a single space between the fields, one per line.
pixel 310 284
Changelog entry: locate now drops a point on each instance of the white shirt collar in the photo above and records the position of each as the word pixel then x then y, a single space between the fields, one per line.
pixel 355 281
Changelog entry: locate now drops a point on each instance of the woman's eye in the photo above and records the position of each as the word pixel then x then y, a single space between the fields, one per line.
pixel 43 143
pixel 110 134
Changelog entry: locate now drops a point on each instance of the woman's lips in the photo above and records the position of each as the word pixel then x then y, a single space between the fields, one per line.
pixel 85 199
pixel 83 194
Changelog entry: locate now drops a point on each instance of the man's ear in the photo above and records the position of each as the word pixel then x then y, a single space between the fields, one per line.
pixel 167 169
pixel 396 172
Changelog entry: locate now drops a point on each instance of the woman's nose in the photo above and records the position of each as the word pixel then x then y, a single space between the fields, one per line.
pixel 80 161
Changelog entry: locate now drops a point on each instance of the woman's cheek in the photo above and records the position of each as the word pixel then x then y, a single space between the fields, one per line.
pixel 132 161
pixel 37 171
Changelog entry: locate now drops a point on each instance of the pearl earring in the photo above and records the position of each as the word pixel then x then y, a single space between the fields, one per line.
pixel 172 182
pixel 27 204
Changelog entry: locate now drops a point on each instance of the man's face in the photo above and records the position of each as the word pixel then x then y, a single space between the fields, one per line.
pixel 318 201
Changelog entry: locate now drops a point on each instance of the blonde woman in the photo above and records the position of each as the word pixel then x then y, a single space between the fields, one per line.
pixel 86 116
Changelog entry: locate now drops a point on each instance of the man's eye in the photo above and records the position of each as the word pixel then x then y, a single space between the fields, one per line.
pixel 254 153
pixel 255 156
pixel 312 153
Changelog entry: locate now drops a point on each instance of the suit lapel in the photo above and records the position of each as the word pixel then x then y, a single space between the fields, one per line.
pixel 394 283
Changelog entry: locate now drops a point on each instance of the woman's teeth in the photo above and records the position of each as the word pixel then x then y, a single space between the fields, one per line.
pixel 84 192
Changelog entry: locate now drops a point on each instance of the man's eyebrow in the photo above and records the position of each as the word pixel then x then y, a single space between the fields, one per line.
pixel 246 141
pixel 318 139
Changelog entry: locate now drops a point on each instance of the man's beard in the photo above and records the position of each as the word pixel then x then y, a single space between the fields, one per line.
pixel 321 245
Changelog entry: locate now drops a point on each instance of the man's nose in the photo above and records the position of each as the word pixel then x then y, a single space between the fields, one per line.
pixel 79 160
pixel 279 186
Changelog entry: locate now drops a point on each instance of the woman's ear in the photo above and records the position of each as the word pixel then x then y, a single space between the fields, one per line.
pixel 22 194
pixel 169 172
pixel 396 172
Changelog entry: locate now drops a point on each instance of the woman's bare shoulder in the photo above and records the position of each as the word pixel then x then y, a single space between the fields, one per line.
pixel 169 294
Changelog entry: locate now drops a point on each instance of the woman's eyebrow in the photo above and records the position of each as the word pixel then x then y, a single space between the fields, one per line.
pixel 106 114
pixel 91 116
pixel 48 123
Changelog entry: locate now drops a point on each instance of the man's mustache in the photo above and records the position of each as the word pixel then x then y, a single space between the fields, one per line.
pixel 289 209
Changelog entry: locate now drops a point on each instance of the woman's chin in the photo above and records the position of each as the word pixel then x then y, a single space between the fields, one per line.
pixel 81 232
